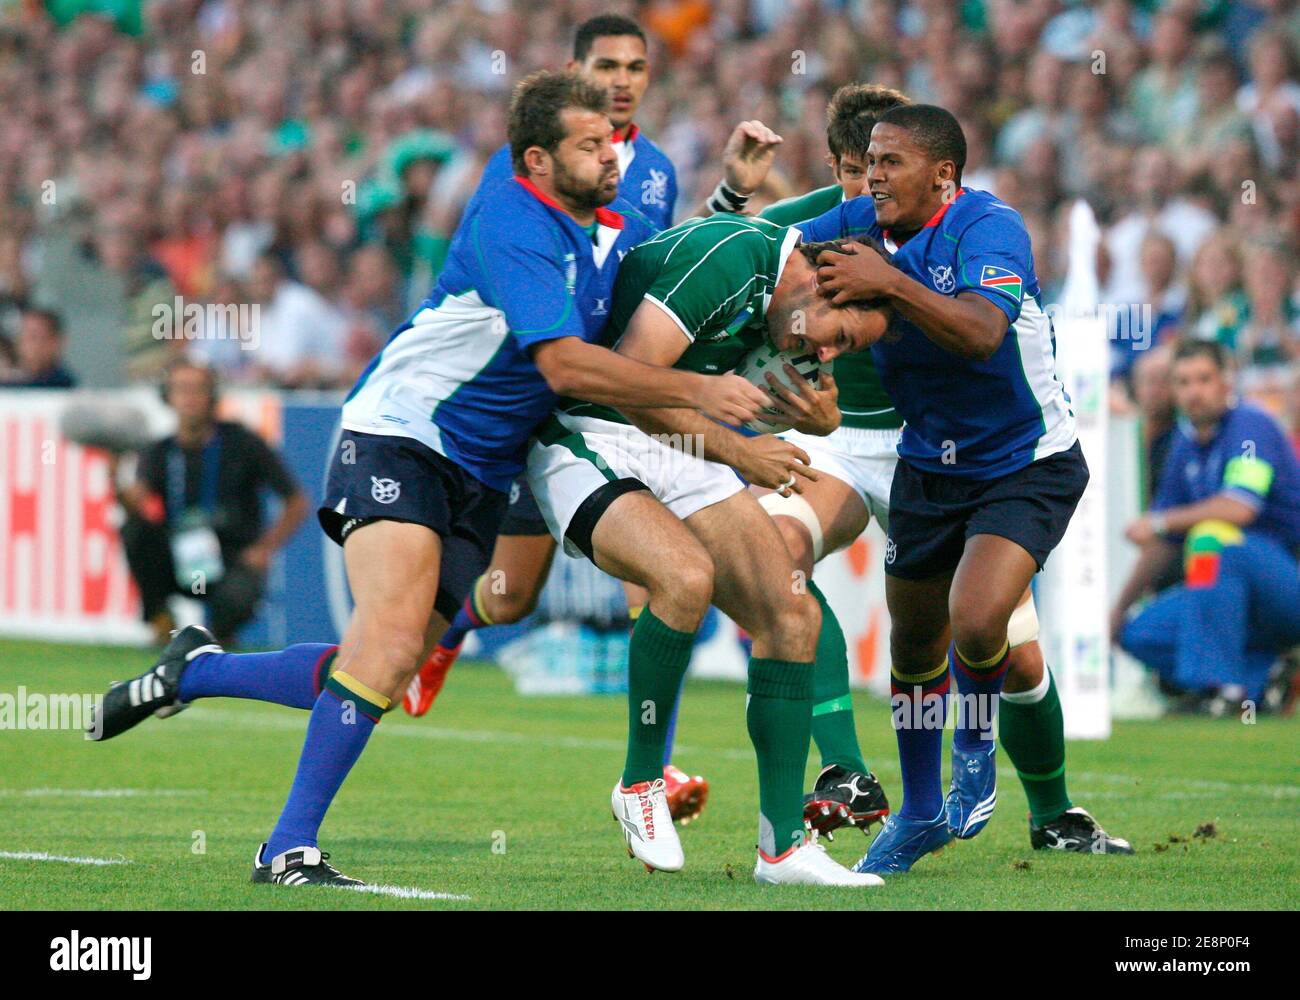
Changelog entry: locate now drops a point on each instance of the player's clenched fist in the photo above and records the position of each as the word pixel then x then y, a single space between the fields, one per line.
pixel 729 399
pixel 775 464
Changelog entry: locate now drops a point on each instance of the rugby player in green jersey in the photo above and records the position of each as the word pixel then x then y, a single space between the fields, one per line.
pixel 652 498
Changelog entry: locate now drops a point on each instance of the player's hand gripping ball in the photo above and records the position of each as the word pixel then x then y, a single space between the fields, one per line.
pixel 755 366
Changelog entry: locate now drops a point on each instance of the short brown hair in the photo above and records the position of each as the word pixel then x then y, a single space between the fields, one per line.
pixel 536 106
pixel 853 113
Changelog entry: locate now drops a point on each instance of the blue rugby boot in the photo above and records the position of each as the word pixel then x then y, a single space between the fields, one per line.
pixel 902 842
pixel 974 790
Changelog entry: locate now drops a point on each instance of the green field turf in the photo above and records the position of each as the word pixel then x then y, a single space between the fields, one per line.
pixel 504 800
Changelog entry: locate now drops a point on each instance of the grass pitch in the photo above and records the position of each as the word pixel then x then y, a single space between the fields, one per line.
pixel 494 801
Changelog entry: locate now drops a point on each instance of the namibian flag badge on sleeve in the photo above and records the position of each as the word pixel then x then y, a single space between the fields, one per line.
pixel 1001 279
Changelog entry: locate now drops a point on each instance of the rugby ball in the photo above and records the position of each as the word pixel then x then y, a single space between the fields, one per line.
pixel 754 368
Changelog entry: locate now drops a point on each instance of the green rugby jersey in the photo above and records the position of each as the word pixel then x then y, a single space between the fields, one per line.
pixel 714 277
pixel 863 400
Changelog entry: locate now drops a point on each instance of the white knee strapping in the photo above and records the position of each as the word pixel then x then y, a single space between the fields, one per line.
pixel 801 510
pixel 1023 624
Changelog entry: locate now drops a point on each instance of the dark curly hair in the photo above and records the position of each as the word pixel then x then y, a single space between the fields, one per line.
pixel 536 106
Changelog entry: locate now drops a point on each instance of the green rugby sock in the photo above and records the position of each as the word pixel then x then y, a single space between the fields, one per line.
pixel 656 663
pixel 1032 730
pixel 778 714
pixel 832 713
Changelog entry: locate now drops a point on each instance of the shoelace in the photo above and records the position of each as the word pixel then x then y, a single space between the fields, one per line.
pixel 647 805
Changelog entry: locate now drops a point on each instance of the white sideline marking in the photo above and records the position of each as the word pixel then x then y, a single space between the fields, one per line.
pixel 100 793
pixel 415 730
pixel 404 892
pixel 42 856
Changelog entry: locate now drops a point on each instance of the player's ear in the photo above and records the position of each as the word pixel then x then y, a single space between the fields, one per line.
pixel 537 160
pixel 945 174
pixel 572 66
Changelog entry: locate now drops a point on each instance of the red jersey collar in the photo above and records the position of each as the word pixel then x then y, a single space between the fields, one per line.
pixel 934 219
pixel 605 216
pixel 631 133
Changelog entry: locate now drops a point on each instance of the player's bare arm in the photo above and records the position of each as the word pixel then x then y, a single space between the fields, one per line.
pixel 575 368
pixel 968 324
pixel 653 338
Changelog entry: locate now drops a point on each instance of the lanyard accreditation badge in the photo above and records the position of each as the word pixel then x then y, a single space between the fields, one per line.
pixel 196 551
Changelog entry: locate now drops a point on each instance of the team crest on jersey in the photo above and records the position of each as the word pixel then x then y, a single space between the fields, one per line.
pixel 654 189
pixel 385 490
pixel 570 273
pixel 943 280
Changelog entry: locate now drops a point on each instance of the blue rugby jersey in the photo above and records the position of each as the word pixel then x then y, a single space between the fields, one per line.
pixel 989 418
pixel 647 178
pixel 1249 459
pixel 457 375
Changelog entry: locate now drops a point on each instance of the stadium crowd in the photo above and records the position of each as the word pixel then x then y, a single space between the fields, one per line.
pixel 313 156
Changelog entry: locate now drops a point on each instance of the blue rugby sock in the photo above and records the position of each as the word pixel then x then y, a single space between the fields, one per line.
pixel 979 684
pixel 290 676
pixel 342 720
pixel 918 710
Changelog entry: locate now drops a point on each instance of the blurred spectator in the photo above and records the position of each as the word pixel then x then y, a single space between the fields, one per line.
pixel 1163 95
pixel 39 354
pixel 13 294
pixel 139 284
pixel 1217 121
pixel 195 523
pixel 1167 294
pixel 1217 307
pixel 1164 295
pixel 1045 115
pixel 1153 392
pixel 1155 205
pixel 1271 336
pixel 1272 97
pixel 300 333
pixel 352 131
